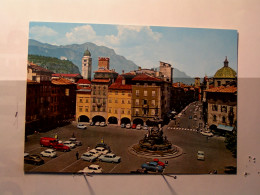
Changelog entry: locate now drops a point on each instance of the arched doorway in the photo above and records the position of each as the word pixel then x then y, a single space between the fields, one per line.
pixel 98 118
pixel 138 121
pixel 125 120
pixel 112 120
pixel 83 118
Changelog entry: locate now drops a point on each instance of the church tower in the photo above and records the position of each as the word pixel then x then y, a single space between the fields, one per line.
pixel 86 65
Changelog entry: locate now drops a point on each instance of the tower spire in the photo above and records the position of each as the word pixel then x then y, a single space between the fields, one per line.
pixel 226 62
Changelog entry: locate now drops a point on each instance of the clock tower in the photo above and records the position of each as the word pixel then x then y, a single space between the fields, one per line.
pixel 86 65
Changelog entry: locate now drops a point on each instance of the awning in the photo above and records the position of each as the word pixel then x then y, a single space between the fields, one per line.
pixel 226 128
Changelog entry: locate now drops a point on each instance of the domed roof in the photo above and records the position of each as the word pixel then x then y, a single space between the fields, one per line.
pixel 87 53
pixel 225 72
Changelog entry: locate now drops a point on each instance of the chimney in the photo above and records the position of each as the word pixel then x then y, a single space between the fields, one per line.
pixel 123 81
pixel 123 72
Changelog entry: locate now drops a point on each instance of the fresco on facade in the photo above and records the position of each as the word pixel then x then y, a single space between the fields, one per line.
pixel 112 99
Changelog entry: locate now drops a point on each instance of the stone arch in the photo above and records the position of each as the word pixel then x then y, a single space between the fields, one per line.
pixel 83 118
pixel 138 121
pixel 112 120
pixel 125 120
pixel 98 118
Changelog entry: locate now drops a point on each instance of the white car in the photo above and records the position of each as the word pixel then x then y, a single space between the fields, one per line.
pixel 81 126
pixel 103 124
pixel 145 127
pixel 97 123
pixel 94 152
pixel 49 153
pixel 200 155
pixel 110 158
pixel 101 150
pixel 69 144
pixel 88 157
pixel 75 141
pixel 92 169
pixel 207 133
pixel 139 127
pixel 128 126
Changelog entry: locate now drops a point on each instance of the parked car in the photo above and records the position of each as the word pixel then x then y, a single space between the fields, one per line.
pixel 152 166
pixel 207 133
pixel 103 124
pixel 92 169
pixel 75 141
pixel 81 126
pixel 139 127
pixel 101 150
pixel 69 144
pixel 128 126
pixel 123 125
pixel 48 141
pixel 61 147
pixel 133 126
pixel 92 124
pixel 94 152
pixel 103 145
pixel 159 162
pixel 110 158
pixel 49 153
pixel 33 159
pixel 97 124
pixel 88 157
pixel 145 127
pixel 200 155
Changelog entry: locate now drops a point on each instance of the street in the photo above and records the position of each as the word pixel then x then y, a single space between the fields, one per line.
pixel 120 139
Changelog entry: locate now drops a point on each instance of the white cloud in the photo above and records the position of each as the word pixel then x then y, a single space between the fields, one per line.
pixel 81 34
pixel 42 31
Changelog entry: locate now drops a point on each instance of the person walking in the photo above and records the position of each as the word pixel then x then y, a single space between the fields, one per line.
pixel 77 155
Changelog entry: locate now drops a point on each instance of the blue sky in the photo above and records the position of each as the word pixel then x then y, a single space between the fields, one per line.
pixel 197 52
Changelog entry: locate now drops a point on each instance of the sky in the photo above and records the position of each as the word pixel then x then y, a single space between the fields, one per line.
pixel 197 52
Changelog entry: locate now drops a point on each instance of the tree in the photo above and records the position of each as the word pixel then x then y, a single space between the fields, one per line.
pixel 231 142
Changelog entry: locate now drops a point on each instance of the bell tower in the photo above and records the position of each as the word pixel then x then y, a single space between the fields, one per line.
pixel 86 65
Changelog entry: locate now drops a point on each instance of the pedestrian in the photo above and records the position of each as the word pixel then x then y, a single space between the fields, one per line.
pixel 77 155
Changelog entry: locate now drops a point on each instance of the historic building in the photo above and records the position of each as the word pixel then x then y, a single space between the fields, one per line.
pixel 86 65
pixel 222 107
pixel 72 77
pixel 37 73
pixel 224 75
pixel 83 100
pixel 119 101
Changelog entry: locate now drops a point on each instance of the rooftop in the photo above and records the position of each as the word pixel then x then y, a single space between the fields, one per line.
pixel 61 81
pixel 223 89
pixel 100 80
pixel 83 81
pixel 145 77
pixel 118 84
pixel 38 68
pixel 65 75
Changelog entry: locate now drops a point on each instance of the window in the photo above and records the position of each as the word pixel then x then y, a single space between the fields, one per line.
pixel 137 102
pixel 110 100
pixel 145 101
pixel 231 109
pixel 116 101
pixel 219 83
pixel 153 102
pixel 153 93
pixel 152 112
pixel 215 107
pixel 137 92
pixel 115 111
pixel 80 109
pixel 109 110
pixel 93 108
pixel 123 101
pixel 123 111
pixel 128 112
pixel 94 100
pixel 129 101
pixel 116 92
pixel 145 93
pixel 145 110
pixel 123 92
pixel 67 92
pixel 80 100
pixel 223 119
pixel 86 109
pixel 86 100
pixel 136 112
pixel 214 118
pixel 223 108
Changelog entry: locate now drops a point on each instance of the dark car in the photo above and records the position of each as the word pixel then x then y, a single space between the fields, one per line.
pixel 33 159
pixel 104 146
pixel 61 147
pixel 152 166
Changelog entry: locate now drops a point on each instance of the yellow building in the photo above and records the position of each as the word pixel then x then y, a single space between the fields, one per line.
pixel 119 102
pixel 83 101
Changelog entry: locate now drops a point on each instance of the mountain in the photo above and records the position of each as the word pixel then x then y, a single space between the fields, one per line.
pixel 54 64
pixel 75 53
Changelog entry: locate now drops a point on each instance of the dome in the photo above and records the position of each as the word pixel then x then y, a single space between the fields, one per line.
pixel 225 72
pixel 87 53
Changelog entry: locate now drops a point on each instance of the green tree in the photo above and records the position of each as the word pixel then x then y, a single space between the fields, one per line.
pixel 231 142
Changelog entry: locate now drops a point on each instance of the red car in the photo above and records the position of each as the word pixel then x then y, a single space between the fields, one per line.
pixel 133 126
pixel 61 147
pixel 159 162
pixel 48 141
